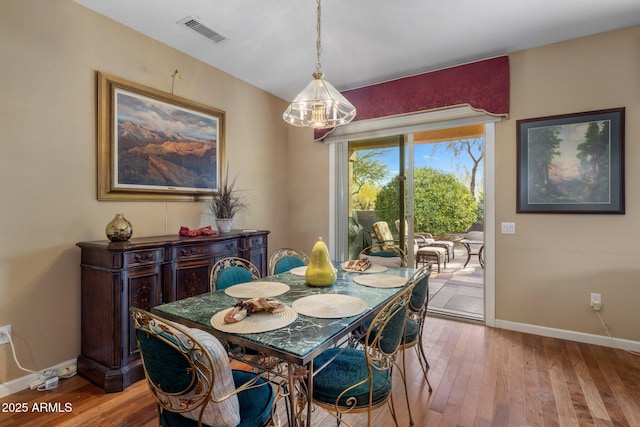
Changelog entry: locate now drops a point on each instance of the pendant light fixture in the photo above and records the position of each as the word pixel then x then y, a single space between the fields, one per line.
pixel 319 105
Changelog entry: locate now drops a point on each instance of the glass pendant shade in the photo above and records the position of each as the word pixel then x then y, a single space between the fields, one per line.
pixel 319 106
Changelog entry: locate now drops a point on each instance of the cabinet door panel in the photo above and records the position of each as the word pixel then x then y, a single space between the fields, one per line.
pixel 142 290
pixel 192 278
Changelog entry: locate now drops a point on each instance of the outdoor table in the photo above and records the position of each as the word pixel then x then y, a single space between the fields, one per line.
pixel 467 243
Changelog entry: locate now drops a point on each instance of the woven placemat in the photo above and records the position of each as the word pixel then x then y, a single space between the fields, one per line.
pixel 329 306
pixel 375 268
pixel 257 322
pixel 380 280
pixel 257 289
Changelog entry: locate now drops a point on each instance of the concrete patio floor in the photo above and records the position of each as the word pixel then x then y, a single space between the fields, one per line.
pixel 458 291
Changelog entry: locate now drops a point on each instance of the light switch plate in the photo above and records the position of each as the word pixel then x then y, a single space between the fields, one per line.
pixel 508 228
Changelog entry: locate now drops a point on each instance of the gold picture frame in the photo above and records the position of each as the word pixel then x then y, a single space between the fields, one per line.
pixel 153 145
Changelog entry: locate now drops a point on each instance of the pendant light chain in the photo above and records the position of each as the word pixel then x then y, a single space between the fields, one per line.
pixel 319 39
pixel 319 105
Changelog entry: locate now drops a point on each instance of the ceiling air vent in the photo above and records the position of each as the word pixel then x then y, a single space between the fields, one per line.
pixel 193 24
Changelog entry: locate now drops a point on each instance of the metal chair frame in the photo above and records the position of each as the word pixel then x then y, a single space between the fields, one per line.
pixel 283 253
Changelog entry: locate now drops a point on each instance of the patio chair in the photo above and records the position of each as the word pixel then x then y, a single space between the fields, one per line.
pixel 383 233
pixel 427 239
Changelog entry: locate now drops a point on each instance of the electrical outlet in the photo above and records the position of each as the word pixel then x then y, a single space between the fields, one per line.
pixel 596 301
pixel 7 330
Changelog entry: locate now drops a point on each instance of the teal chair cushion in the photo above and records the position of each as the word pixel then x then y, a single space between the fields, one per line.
pixel 287 263
pixel 394 331
pixel 412 331
pixel 255 405
pixel 232 276
pixel 165 366
pixel 419 294
pixel 345 370
pixel 384 254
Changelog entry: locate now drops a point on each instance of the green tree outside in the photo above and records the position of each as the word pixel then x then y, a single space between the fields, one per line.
pixel 366 171
pixel 443 205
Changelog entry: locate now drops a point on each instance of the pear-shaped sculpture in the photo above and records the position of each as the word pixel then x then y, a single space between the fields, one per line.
pixel 320 271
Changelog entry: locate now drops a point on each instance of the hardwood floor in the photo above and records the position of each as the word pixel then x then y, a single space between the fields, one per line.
pixel 480 377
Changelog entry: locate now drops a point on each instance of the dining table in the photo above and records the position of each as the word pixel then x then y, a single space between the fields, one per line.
pixel 315 319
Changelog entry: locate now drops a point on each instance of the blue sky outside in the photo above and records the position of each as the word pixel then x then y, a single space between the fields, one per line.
pixel 436 156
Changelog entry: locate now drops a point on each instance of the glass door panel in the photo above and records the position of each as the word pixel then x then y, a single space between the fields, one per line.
pixel 376 192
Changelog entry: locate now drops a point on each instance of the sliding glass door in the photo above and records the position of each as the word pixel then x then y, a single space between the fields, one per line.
pixel 416 183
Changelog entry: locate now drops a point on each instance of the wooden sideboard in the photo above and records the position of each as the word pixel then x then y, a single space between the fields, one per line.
pixel 144 272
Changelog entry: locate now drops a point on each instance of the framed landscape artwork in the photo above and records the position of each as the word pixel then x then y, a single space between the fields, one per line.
pixel 155 146
pixel 572 163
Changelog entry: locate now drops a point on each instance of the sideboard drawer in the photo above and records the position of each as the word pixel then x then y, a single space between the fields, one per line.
pixel 200 251
pixel 256 241
pixel 146 257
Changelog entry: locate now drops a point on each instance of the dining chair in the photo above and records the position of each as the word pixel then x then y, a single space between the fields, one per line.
pixel 387 254
pixel 350 380
pixel 189 376
pixel 414 329
pixel 232 271
pixel 284 259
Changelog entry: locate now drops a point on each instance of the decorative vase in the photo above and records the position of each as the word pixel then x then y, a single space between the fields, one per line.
pixel 119 229
pixel 320 271
pixel 224 224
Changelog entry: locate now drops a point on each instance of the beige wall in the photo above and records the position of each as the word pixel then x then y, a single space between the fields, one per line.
pixel 545 272
pixel 50 53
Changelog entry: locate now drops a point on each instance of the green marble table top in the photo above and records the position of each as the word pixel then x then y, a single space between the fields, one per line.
pixel 303 339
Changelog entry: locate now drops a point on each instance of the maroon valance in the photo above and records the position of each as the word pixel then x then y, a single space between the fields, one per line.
pixel 484 85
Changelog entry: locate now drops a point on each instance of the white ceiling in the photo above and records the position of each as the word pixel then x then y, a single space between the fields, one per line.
pixel 271 43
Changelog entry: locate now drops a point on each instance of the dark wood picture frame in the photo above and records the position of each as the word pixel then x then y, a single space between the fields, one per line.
pixel 153 145
pixel 572 163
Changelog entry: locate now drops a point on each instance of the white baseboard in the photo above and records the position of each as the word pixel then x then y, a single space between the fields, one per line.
pixel 22 383
pixel 564 334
